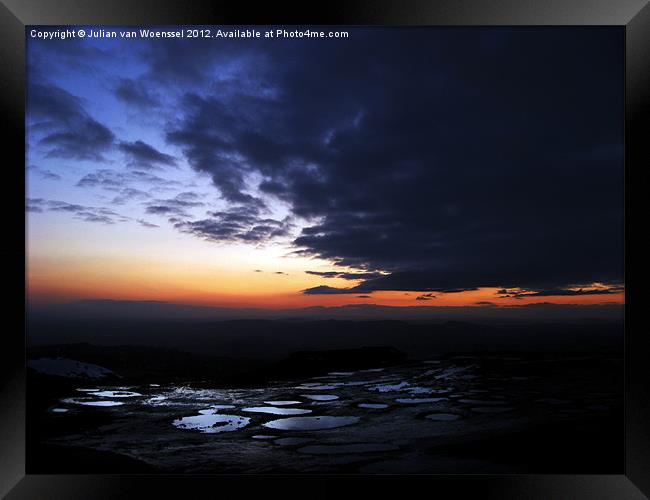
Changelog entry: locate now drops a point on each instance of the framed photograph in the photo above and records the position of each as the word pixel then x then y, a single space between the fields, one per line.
pixel 285 248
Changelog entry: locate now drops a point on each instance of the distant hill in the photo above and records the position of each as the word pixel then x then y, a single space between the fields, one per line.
pixel 277 338
pixel 126 309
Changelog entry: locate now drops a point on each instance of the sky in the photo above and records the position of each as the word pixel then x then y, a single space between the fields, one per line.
pixel 398 166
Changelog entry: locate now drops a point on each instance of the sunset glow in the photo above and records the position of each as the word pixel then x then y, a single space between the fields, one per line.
pixel 233 188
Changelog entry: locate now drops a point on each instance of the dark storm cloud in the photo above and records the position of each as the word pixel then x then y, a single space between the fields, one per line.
pixel 326 290
pixel 558 292
pixel 449 159
pixel 324 274
pixel 210 140
pixel 143 155
pixel 237 224
pixel 344 275
pixel 135 93
pixel 385 284
pixel 65 129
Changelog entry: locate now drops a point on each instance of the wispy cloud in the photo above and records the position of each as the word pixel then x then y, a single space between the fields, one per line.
pixel 176 206
pixel 148 224
pixel 237 224
pixel 142 155
pixel 82 212
pixel 136 93
pixel 44 173
pixel 65 128
pixel 115 180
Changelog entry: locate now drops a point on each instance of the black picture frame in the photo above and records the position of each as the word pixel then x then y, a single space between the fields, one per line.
pixel 632 15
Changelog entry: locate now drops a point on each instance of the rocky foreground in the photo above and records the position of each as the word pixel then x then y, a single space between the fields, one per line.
pixel 487 413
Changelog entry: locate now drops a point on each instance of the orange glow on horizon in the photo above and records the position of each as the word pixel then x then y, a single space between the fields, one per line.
pixel 41 293
pixel 236 284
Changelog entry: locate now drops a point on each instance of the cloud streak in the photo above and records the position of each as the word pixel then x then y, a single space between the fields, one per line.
pixel 142 155
pixel 136 93
pixel 65 129
pixel 82 212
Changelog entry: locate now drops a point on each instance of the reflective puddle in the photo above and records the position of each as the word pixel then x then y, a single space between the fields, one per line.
pixel 276 411
pixel 373 406
pixel 318 387
pixel 214 409
pixel 88 402
pixel 156 400
pixel 311 423
pixel 414 401
pixel 116 394
pixel 320 397
pixel 212 423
